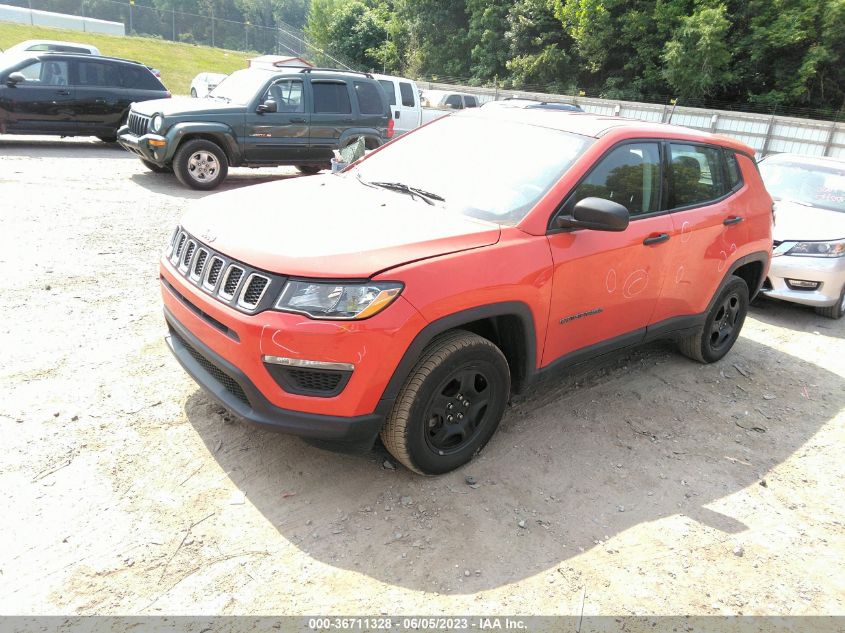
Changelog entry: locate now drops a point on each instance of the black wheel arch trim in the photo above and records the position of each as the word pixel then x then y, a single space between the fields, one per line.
pixel 455 321
pixel 218 133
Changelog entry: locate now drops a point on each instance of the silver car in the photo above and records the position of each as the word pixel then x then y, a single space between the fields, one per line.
pixel 808 263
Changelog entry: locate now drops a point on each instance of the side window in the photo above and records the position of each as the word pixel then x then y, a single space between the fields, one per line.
pixel 454 101
pixel 138 78
pixel 696 175
pixel 96 74
pixel 331 98
pixel 734 172
pixel 407 91
pixel 369 99
pixel 46 73
pixel 287 94
pixel 470 102
pixel 389 90
pixel 629 175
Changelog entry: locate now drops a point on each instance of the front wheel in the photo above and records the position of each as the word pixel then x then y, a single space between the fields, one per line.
pixel 450 404
pixel 200 164
pixel 721 328
pixel 194 93
pixel 836 310
pixel 309 169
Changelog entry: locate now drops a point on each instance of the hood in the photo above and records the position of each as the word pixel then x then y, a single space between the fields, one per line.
pixel 185 105
pixel 795 223
pixel 330 226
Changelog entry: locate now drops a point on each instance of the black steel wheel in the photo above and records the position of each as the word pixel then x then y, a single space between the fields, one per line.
pixel 721 327
pixel 450 405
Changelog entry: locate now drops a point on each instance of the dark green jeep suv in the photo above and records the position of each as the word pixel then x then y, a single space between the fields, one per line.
pixel 258 118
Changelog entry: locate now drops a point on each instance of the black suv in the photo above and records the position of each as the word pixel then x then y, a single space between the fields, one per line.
pixel 259 118
pixel 72 94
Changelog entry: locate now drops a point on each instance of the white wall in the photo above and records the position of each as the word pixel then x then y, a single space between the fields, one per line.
pixel 20 15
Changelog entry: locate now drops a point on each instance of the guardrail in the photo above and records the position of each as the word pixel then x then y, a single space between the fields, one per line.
pixel 766 134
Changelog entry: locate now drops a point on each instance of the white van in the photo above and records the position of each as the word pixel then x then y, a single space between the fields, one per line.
pixel 404 99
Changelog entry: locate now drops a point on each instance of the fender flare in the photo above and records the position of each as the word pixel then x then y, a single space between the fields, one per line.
pixel 219 131
pixel 757 256
pixel 456 320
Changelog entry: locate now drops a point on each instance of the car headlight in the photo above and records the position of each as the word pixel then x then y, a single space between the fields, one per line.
pixel 157 123
pixel 818 249
pixel 321 300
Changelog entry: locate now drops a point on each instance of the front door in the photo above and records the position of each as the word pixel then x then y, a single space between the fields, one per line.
pixel 281 135
pixel 606 284
pixel 42 103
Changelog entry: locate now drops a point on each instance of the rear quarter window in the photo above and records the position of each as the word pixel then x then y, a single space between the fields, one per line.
pixel 138 78
pixel 733 171
pixel 369 99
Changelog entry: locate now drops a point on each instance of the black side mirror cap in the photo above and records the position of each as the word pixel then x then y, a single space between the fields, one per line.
pixel 268 106
pixel 15 78
pixel 598 214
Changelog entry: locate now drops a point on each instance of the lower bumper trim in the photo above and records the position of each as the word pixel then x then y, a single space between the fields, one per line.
pixel 235 391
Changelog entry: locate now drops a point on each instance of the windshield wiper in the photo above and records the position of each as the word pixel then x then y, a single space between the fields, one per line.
pixel 426 196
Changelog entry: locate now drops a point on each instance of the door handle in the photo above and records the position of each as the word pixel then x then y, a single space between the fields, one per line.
pixel 63 92
pixel 736 219
pixel 297 120
pixel 656 239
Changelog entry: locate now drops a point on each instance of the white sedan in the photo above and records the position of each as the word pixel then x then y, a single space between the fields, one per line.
pixel 808 263
pixel 204 83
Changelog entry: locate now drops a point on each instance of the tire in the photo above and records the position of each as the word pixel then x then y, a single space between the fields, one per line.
pixel 111 138
pixel 309 169
pixel 721 328
pixel 836 310
pixel 156 168
pixel 200 164
pixel 450 405
pixel 194 93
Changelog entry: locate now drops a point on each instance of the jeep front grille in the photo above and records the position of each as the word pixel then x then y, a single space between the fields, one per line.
pixel 138 123
pixel 229 281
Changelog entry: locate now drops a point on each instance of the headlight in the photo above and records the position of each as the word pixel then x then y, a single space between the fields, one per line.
pixel 157 123
pixel 818 249
pixel 321 300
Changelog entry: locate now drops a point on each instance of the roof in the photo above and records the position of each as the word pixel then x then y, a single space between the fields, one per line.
pixel 281 61
pixel 85 56
pixel 598 126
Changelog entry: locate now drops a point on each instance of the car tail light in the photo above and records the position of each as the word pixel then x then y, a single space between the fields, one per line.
pixel 390 126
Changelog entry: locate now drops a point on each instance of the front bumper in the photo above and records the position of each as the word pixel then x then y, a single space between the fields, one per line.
pixel 140 145
pixel 828 271
pixel 235 391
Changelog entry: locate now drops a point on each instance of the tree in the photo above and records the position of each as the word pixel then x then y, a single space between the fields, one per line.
pixel 698 57
pixel 487 25
pixel 537 47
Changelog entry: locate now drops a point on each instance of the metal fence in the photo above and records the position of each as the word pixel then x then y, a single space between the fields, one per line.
pixel 767 134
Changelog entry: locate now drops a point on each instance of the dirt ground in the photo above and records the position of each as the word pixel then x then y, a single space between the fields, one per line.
pixel 646 483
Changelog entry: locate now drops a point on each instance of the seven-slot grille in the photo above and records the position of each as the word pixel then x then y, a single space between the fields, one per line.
pixel 231 282
pixel 138 123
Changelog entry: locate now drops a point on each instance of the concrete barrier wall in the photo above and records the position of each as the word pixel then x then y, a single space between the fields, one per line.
pixel 20 15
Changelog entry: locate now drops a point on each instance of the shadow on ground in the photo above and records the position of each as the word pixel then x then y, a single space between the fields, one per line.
pixel 793 316
pixel 626 440
pixel 60 147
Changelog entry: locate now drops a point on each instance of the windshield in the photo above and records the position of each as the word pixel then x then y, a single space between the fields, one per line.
pixel 241 86
pixel 812 185
pixel 484 168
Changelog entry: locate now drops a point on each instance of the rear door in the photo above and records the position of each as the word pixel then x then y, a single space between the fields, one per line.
pixel 281 135
pixel 99 99
pixel 331 114
pixel 42 103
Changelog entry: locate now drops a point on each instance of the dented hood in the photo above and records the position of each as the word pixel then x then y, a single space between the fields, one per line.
pixel 330 226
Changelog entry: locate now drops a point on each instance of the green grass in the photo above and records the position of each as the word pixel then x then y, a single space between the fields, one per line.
pixel 178 63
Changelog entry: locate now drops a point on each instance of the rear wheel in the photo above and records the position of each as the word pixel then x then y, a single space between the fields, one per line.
pixel 450 404
pixel 194 93
pixel 309 169
pixel 836 310
pixel 721 327
pixel 156 168
pixel 200 164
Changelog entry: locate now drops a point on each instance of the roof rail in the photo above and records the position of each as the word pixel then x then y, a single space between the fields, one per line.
pixel 336 70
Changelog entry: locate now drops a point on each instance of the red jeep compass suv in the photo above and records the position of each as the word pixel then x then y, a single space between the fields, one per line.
pixel 409 296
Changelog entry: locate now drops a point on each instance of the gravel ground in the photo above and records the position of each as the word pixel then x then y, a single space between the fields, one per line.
pixel 641 484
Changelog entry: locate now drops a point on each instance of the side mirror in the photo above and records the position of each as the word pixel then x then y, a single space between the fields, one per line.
pixel 15 78
pixel 268 106
pixel 597 214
